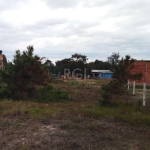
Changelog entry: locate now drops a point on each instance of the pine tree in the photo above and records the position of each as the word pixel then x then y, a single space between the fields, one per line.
pixel 24 74
pixel 122 72
pixel 121 75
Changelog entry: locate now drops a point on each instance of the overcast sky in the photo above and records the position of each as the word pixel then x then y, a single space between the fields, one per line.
pixel 59 28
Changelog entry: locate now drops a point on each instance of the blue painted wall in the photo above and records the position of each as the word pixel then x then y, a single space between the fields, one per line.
pixel 105 75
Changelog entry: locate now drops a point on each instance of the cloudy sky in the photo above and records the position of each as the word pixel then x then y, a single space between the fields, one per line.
pixel 59 28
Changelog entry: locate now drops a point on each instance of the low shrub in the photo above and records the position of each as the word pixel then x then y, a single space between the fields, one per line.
pixel 114 87
pixel 4 92
pixel 50 94
pixel 42 94
pixel 105 100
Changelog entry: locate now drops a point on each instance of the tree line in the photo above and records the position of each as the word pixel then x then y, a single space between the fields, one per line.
pixel 80 61
pixel 27 76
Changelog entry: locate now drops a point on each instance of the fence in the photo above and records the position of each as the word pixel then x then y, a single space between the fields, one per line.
pixel 141 90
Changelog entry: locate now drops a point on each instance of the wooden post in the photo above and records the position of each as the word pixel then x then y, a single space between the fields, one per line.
pixel 128 84
pixel 144 94
pixel 134 88
pixel 84 73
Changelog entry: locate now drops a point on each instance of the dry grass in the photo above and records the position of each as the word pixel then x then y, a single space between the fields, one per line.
pixel 76 124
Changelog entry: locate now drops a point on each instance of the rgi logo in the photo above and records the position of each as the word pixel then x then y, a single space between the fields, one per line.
pixel 74 73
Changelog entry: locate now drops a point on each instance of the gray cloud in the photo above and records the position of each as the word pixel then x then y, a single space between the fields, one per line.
pixel 74 3
pixel 93 28
pixel 62 3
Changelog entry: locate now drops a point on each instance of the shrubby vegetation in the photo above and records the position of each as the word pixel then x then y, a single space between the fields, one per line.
pixel 50 94
pixel 26 75
pixel 22 78
pixel 121 75
pixel 28 78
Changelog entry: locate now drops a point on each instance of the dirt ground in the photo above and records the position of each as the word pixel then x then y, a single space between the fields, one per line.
pixel 71 132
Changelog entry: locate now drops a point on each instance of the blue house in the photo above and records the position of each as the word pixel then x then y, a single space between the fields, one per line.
pixel 102 74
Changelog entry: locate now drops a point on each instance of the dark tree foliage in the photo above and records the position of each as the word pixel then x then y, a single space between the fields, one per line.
pixel 48 63
pixel 50 66
pixel 62 64
pixel 121 75
pixel 78 57
pixel 76 61
pixel 80 61
pixel 98 65
pixel 24 74
pixel 122 70
pixel 114 58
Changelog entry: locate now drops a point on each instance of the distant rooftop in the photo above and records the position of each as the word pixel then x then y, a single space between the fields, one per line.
pixel 102 71
pixel 143 60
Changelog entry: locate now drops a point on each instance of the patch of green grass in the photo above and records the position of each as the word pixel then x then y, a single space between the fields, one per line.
pixel 73 83
pixel 135 118
pixel 42 112
pixel 94 113
pixel 132 113
pixel 122 112
pixel 139 86
pixel 31 109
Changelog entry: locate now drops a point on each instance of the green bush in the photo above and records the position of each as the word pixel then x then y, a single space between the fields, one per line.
pixel 113 87
pixel 24 74
pixel 4 92
pixel 42 94
pixel 105 100
pixel 50 94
